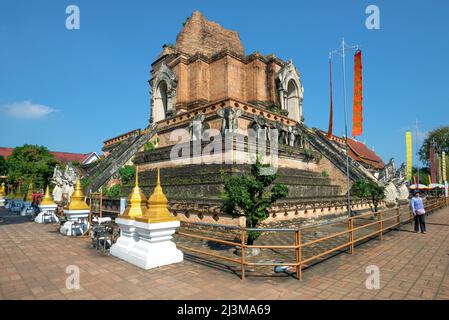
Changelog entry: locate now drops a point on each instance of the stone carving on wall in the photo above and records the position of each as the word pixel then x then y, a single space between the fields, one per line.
pixel 291 136
pixel 229 122
pixel 197 128
pixel 283 134
pixel 262 126
pixel 299 137
pixel 288 135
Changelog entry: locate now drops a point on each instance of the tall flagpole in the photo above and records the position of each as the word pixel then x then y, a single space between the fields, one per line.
pixel 417 159
pixel 342 52
pixel 346 123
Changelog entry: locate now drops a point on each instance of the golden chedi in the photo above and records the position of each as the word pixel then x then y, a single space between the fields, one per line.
pixel 137 202
pixel 2 195
pixel 157 206
pixel 29 194
pixel 18 194
pixel 2 190
pixel 47 199
pixel 77 202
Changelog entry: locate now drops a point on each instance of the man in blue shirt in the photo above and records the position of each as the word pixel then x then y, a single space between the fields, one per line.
pixel 417 207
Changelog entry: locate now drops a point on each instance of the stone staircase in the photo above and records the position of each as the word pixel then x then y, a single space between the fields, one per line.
pixel 320 142
pixel 104 170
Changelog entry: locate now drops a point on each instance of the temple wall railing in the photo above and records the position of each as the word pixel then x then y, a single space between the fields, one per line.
pixel 308 246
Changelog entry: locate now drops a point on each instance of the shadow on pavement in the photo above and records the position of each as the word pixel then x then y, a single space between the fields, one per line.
pixel 8 218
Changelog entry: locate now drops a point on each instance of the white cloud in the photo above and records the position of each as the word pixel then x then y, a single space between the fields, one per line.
pixel 28 110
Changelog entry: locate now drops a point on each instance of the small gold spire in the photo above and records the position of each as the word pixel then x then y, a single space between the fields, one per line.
pixel 2 190
pixel 47 199
pixel 137 202
pixel 18 194
pixel 29 194
pixel 77 202
pixel 157 206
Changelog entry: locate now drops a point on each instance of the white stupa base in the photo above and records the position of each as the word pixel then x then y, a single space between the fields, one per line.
pixel 75 215
pixel 2 202
pixel 74 229
pixel 126 241
pixel 47 214
pixel 154 247
pixel 7 203
pixel 148 255
pixel 27 210
pixel 78 223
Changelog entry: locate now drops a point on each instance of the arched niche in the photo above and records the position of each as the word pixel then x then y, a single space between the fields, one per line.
pixel 163 93
pixel 290 91
pixel 160 102
pixel 293 104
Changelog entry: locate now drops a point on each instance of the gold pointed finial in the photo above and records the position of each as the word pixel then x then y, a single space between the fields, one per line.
pixel 157 206
pixel 47 199
pixel 77 202
pixel 137 202
pixel 29 194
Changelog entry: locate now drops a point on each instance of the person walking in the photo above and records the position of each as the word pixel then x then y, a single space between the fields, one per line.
pixel 417 207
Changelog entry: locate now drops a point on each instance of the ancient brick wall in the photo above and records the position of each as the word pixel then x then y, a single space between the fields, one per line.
pixel 206 37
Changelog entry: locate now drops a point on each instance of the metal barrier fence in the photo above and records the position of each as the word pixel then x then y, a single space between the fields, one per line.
pixel 383 221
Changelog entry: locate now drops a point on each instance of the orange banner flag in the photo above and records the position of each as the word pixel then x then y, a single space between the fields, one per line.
pixel 357 111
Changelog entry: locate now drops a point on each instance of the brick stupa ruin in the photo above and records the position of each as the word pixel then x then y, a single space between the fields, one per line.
pixel 205 77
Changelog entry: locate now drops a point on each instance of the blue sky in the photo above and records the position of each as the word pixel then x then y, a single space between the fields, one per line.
pixel 70 90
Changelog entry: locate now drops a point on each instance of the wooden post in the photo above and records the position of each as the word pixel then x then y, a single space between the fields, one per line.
pixel 89 230
pixel 351 235
pixel 398 217
pixel 379 219
pixel 242 243
pixel 298 254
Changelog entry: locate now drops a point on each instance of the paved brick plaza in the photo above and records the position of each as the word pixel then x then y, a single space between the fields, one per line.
pixel 33 260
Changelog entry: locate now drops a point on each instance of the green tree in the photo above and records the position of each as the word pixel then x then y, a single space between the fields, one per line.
pixel 112 192
pixel 440 137
pixel 247 195
pixel 30 163
pixel 3 166
pixel 369 189
pixel 76 164
pixel 149 146
pixel 127 174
